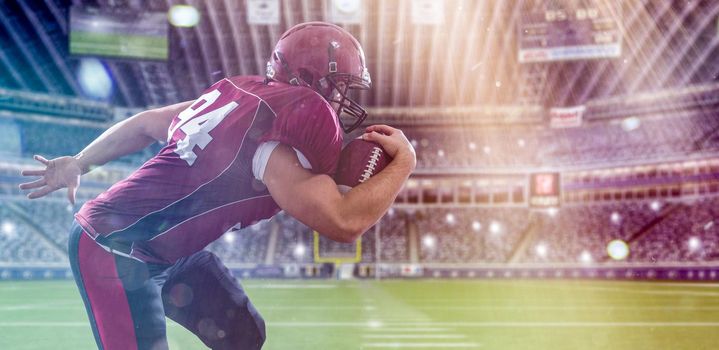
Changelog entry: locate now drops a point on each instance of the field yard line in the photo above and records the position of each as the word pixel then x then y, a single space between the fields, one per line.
pixel 53 305
pixel 444 324
pixel 415 336
pixel 528 307
pixel 294 286
pixel 502 324
pixel 419 345
pixel 409 330
pixel 627 289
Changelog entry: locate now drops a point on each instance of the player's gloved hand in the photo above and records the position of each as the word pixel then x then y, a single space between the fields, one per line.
pixel 62 172
pixel 394 143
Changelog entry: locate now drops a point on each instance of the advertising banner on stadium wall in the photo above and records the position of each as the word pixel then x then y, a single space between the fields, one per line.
pixel 263 12
pixel 346 11
pixel 569 117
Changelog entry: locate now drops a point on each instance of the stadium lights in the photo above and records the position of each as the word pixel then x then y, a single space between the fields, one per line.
pixel 552 211
pixel 472 146
pixel 450 218
pixel 616 218
pixel 476 226
pixel 440 153
pixel 655 205
pixel 8 228
pixel 694 244
pixel 631 123
pixel 585 257
pixel 300 250
pixel 183 16
pixel 618 249
pixel 229 237
pixel 541 250
pixel 495 227
pixel 487 150
pixel 94 79
pixel 429 241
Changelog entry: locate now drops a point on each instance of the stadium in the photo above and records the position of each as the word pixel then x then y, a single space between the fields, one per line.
pixel 564 197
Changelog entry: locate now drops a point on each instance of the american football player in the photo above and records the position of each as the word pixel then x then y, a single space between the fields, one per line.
pixel 247 148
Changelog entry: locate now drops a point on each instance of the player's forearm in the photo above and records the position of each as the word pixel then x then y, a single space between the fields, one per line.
pixel 366 203
pixel 123 138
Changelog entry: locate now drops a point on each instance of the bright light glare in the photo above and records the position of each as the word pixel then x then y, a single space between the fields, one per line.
pixel 229 237
pixel 552 211
pixel 495 227
pixel 440 153
pixel 374 324
pixel 476 225
pixel 183 16
pixel 521 143
pixel 472 146
pixel 450 218
pixel 655 205
pixel 300 250
pixel 541 249
pixel 487 150
pixel 618 249
pixel 585 257
pixel 694 243
pixel 8 228
pixel 429 241
pixel 94 79
pixel 616 218
pixel 631 123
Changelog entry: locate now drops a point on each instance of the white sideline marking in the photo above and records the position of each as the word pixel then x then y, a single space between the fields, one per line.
pixel 415 336
pixel 419 345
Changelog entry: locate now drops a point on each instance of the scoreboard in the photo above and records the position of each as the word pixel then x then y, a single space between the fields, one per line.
pixel 544 190
pixel 570 30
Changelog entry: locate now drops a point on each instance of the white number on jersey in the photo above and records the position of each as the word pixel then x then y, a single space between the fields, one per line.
pixel 197 130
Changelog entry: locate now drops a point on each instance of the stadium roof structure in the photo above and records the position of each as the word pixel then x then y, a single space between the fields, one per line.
pixel 470 59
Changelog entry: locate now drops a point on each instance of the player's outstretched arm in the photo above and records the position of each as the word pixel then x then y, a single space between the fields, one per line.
pixel 123 138
pixel 314 199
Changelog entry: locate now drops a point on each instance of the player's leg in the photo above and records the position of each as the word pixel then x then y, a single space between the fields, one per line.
pixel 122 302
pixel 202 295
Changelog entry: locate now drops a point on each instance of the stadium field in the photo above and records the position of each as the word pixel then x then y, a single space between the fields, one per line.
pixel 415 314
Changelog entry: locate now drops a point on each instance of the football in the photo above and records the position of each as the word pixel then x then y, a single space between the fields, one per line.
pixel 359 161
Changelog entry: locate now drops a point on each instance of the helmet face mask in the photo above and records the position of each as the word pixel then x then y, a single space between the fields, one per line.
pixel 350 114
pixel 327 59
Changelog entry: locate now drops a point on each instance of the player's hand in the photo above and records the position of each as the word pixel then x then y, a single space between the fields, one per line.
pixel 63 172
pixel 393 141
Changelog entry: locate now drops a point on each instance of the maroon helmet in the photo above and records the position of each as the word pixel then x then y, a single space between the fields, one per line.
pixel 323 56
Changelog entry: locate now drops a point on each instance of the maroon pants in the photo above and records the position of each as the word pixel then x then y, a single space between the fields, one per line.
pixel 127 300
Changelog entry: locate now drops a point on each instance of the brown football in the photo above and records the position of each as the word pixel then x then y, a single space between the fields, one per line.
pixel 359 161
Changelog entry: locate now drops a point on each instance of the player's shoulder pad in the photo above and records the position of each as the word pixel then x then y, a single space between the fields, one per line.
pixel 305 121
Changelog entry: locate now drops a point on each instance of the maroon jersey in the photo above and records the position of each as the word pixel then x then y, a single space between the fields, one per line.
pixel 201 184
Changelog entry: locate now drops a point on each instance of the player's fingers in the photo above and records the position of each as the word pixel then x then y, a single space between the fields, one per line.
pixel 71 192
pixel 33 184
pixel 375 137
pixel 33 172
pixel 41 159
pixel 41 192
pixel 385 129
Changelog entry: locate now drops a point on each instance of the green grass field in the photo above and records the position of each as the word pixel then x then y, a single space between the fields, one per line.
pixel 420 314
